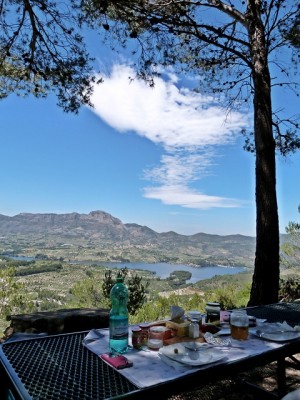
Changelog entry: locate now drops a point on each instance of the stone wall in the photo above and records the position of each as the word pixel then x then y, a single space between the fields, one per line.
pixel 60 321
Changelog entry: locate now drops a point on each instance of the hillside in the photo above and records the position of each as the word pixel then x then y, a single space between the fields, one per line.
pixel 98 236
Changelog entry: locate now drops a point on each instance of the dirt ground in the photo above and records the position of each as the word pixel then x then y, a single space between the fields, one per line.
pixel 184 291
pixel 263 377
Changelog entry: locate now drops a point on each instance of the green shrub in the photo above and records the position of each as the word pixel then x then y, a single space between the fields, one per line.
pixel 86 293
pixel 289 289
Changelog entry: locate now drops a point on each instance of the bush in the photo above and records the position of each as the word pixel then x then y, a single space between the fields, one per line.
pixel 14 298
pixel 86 293
pixel 289 289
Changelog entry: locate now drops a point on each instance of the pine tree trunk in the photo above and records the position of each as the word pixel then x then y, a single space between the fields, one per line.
pixel 265 283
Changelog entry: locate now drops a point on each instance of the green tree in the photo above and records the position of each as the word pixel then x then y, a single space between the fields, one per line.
pixel 110 279
pixel 42 51
pixel 236 45
pixel 13 296
pixel 137 293
pixel 293 228
pixel 291 247
pixel 136 288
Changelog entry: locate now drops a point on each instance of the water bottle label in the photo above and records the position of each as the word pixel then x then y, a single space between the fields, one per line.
pixel 119 329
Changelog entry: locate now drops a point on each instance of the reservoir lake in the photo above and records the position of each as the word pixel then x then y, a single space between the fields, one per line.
pixel 163 270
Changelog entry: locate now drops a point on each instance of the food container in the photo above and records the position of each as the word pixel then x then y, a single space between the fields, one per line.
pixel 239 325
pixel 194 332
pixel 144 334
pixel 156 337
pixel 213 313
pixel 225 316
pixel 178 328
pixel 136 337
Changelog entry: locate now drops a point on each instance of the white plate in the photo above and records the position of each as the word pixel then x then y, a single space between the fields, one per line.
pixel 181 354
pixel 278 336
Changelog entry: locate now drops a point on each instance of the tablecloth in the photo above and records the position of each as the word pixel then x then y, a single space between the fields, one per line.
pixel 150 368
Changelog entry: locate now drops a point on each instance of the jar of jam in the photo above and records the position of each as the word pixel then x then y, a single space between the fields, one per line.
pixel 213 313
pixel 144 334
pixel 136 337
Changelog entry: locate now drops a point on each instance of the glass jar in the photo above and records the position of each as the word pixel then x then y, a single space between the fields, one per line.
pixel 194 331
pixel 239 325
pixel 213 313
pixel 156 337
pixel 136 337
pixel 144 334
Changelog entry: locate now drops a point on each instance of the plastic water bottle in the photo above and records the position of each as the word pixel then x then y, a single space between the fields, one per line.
pixel 118 318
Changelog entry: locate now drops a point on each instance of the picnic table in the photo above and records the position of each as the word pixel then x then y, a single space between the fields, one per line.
pixel 61 367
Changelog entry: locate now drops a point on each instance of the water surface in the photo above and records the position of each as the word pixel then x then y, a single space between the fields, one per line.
pixel 163 270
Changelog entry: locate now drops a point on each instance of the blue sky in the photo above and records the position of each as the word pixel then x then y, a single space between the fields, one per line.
pixel 161 157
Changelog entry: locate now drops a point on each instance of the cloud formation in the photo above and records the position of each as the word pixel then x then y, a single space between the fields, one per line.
pixel 188 125
pixel 186 197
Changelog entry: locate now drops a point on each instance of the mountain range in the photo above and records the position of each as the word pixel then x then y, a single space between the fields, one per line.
pixel 98 236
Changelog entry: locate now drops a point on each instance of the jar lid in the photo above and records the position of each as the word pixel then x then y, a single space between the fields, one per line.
pixel 136 329
pixel 158 328
pixel 144 326
pixel 194 313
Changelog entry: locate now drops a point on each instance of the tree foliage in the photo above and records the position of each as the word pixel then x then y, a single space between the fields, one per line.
pixel 212 37
pixel 13 297
pixel 289 289
pixel 293 228
pixel 291 247
pixel 86 293
pixel 241 51
pixel 292 33
pixel 160 307
pixel 136 288
pixel 42 51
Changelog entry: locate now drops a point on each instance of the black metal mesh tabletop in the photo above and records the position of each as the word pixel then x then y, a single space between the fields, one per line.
pixel 279 312
pixel 59 367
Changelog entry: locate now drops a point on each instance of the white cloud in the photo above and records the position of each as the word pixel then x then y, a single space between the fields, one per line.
pixel 173 176
pixel 189 198
pixel 186 124
pixel 179 167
